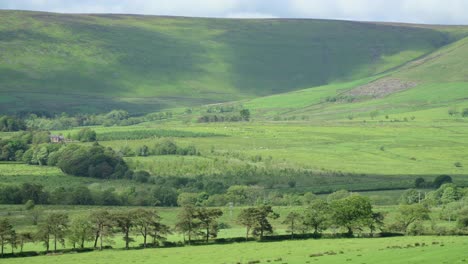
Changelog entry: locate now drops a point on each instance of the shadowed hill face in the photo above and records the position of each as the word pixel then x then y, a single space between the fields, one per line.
pixel 94 63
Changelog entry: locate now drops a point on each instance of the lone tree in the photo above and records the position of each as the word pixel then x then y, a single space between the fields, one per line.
pixel 409 214
pixel 6 232
pixel 351 213
pixel 208 221
pixel 245 114
pixel 294 222
pixel 317 216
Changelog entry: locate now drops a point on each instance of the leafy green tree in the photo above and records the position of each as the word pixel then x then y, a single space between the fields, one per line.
pixel 449 195
pixel 188 223
pixel 103 223
pixel 81 195
pixel 58 226
pixel 209 221
pixel 43 234
pixel 245 114
pixel 256 220
pixel 420 183
pixel 410 196
pixel 409 214
pixel 247 218
pixel 86 135
pixel 159 232
pixel 352 212
pixel 317 216
pixel 263 225
pixel 81 230
pixel 462 221
pixel 125 220
pixel 375 222
pixel 308 198
pixel 165 147
pixel 164 196
pixel 33 192
pixel 293 221
pixel 23 238
pixel 6 232
pixel 91 161
pixel 442 179
pixel 145 221
pixel 450 211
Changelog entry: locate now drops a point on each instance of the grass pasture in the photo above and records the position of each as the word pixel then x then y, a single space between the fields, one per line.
pixel 383 250
pixel 372 148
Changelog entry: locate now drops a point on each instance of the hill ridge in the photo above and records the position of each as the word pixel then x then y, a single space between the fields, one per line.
pixel 133 61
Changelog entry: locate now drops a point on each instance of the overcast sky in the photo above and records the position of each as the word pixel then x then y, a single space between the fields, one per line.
pixel 414 11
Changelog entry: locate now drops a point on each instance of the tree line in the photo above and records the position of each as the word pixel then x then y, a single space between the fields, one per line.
pixel 344 214
pixel 99 227
pixel 243 115
pixel 50 121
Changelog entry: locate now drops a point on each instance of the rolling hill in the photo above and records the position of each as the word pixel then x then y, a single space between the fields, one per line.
pixel 93 63
pixel 425 88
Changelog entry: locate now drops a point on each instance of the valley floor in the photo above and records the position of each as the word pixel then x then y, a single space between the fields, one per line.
pixel 425 250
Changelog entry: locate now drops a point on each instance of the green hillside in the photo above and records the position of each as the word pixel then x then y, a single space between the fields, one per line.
pixel 93 63
pixel 424 89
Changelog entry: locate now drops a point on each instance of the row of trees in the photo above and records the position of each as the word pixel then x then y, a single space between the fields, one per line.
pixel 162 147
pixel 351 214
pixel 44 121
pixel 99 228
pixel 244 115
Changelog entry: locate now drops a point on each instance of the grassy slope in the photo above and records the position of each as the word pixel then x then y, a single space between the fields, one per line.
pixel 442 83
pixel 55 62
pixel 322 137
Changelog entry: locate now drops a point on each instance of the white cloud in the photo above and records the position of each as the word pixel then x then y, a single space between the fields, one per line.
pixel 416 11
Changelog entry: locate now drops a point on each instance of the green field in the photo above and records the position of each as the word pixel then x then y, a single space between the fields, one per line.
pixel 382 250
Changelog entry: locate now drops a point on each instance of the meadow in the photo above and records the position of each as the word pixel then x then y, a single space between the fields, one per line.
pixel 381 250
